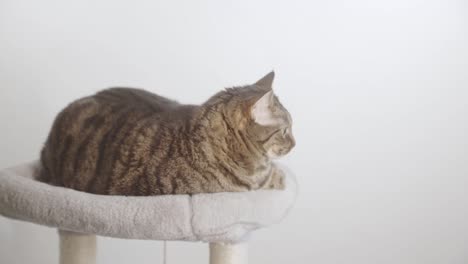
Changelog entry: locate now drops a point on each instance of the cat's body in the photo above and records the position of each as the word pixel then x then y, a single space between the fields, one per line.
pixel 124 141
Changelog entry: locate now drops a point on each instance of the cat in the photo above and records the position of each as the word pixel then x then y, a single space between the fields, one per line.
pixel 125 141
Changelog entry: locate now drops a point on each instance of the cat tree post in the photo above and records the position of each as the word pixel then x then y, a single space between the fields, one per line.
pixel 76 248
pixel 229 253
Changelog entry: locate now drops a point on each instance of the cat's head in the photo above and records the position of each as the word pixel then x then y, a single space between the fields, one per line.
pixel 257 113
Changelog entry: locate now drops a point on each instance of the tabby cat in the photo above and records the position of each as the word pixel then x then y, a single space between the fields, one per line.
pixel 124 141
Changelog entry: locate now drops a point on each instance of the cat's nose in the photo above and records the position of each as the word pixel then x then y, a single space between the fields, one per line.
pixel 293 142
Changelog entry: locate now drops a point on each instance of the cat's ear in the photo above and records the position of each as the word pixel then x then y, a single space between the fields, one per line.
pixel 261 110
pixel 267 81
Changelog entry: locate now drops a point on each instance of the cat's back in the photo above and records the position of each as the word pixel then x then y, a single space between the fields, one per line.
pixel 110 109
pixel 87 134
pixel 135 98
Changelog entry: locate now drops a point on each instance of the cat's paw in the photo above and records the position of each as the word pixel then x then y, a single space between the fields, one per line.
pixel 277 181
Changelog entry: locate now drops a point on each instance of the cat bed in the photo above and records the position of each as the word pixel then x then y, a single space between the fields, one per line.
pixel 216 217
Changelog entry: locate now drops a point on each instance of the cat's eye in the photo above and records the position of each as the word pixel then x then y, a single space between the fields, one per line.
pixel 285 131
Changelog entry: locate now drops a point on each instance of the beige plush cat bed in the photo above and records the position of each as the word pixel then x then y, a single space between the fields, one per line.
pixel 223 219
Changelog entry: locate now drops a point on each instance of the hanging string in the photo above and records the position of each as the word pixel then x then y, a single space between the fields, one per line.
pixel 164 252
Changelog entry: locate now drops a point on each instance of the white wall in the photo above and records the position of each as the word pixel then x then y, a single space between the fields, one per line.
pixel 378 91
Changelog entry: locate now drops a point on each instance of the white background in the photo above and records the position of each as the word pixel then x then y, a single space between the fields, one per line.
pixel 378 91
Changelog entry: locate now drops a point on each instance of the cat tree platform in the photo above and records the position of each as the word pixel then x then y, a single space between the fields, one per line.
pixel 224 220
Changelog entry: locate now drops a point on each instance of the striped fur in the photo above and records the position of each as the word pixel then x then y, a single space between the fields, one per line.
pixel 124 141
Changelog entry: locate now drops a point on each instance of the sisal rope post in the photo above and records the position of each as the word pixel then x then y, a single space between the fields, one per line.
pixel 229 253
pixel 76 248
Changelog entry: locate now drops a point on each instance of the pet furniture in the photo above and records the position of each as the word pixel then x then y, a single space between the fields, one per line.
pixel 224 220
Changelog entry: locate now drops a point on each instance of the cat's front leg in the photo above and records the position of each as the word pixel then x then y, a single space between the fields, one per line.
pixel 276 180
